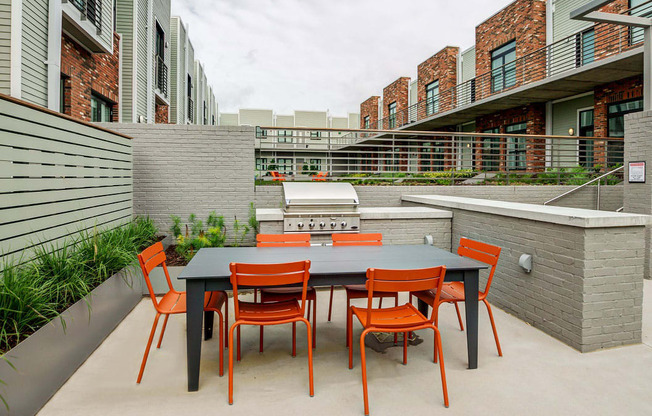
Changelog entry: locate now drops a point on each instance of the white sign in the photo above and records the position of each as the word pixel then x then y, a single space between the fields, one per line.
pixel 636 172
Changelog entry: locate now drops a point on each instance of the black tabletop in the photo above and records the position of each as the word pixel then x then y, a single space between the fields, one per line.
pixel 213 263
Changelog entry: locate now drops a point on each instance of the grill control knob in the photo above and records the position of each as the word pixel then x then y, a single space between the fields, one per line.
pixel 300 224
pixel 333 224
pixel 311 225
pixel 343 224
pixel 322 224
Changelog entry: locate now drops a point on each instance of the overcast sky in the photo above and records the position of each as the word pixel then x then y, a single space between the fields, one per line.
pixel 290 55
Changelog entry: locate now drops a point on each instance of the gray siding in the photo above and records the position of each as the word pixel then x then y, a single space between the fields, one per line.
pixel 58 177
pixel 34 77
pixel 142 58
pixel 106 35
pixel 175 67
pixel 564 116
pixel 562 25
pixel 125 26
pixel 468 64
pixel 161 10
pixel 5 46
pixel 183 75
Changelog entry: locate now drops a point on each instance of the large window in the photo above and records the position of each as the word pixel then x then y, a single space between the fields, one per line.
pixel 503 67
pixel 491 150
pixel 616 121
pixel 392 115
pixel 636 33
pixel 284 136
pixel 315 165
pixel 584 47
pixel 285 166
pixel 366 122
pixel 585 147
pixel 432 98
pixel 101 109
pixel 261 164
pixel 315 134
pixel 516 157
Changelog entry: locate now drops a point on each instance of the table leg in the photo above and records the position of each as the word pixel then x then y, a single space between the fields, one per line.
pixel 195 306
pixel 471 306
pixel 423 307
pixel 208 324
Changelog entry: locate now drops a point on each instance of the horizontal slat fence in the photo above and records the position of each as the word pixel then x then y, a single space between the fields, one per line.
pixel 58 177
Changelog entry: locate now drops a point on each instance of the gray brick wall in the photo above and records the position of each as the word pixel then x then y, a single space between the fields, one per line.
pixel 611 197
pixel 184 169
pixel 585 287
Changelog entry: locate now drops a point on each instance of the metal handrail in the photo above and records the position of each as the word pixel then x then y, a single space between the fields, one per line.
pixel 161 75
pixel 91 10
pixel 583 185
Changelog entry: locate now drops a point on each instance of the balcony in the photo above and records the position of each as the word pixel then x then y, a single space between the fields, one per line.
pixel 161 72
pixel 91 10
pixel 191 110
pixel 84 21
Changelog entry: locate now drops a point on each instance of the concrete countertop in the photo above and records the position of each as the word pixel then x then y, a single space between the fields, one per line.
pixel 373 213
pixel 575 217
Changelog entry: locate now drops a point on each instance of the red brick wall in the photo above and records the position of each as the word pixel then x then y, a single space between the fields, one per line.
pixel 162 114
pixel 397 91
pixel 522 20
pixel 614 92
pixel 612 39
pixel 369 107
pixel 535 117
pixel 441 66
pixel 89 73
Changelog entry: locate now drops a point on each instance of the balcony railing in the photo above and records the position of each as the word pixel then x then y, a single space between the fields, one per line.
pixel 91 10
pixel 445 158
pixel 191 110
pixel 575 51
pixel 161 76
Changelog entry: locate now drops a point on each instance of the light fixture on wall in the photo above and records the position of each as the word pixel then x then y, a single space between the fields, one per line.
pixel 468 145
pixel 571 132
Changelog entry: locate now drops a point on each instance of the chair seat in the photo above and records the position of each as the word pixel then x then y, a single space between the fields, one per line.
pixel 403 316
pixel 279 294
pixel 360 292
pixel 175 302
pixel 273 311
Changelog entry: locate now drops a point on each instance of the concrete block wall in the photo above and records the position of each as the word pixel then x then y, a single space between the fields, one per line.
pixel 186 169
pixel 611 197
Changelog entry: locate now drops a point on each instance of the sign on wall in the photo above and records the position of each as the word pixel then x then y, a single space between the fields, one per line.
pixel 636 172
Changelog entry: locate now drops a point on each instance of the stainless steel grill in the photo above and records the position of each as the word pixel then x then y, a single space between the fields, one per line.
pixel 320 208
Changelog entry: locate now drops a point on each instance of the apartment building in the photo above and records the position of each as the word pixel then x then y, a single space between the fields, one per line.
pixel 293 152
pixel 532 70
pixel 101 60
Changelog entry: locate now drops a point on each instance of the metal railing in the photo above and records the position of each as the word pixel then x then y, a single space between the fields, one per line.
pixel 91 10
pixel 161 75
pixel 446 158
pixel 592 181
pixel 594 44
pixel 191 110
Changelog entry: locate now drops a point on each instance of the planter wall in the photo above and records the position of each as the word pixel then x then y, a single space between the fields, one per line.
pixel 46 359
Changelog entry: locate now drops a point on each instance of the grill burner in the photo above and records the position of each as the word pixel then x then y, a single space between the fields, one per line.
pixel 320 208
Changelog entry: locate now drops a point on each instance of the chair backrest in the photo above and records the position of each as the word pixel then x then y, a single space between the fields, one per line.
pixel 283 240
pixel 370 239
pixel 482 252
pixel 265 275
pixel 410 280
pixel 152 257
pixel 277 176
pixel 319 177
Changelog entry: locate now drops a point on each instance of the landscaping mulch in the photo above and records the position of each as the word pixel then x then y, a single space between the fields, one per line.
pixel 173 258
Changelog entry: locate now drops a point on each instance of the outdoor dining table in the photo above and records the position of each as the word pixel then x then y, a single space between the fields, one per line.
pixel 209 270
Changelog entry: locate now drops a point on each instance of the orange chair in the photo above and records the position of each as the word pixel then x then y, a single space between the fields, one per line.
pixel 174 302
pixel 320 177
pixel 277 176
pixel 290 311
pixel 359 291
pixel 405 318
pixel 453 292
pixel 287 293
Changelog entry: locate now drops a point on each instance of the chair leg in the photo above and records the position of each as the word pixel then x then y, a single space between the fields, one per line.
pixel 235 325
pixel 165 324
pixel 310 373
pixel 330 303
pixel 441 365
pixel 226 321
pixel 348 321
pixel 238 342
pixel 363 363
pixel 221 326
pixel 349 335
pixel 314 322
pixel 262 331
pixel 459 317
pixel 493 326
pixel 255 295
pixel 405 343
pixel 149 344
pixel 396 305
pixel 308 302
pixel 294 339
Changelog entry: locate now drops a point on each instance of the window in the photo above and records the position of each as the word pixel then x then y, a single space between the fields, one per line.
pixel 315 134
pixel 285 166
pixel 101 109
pixel 516 147
pixel 491 150
pixel 213 119
pixel 616 122
pixel 392 115
pixel 284 136
pixel 584 47
pixel 432 98
pixel 63 93
pixel 205 114
pixel 585 147
pixel 315 165
pixel 366 122
pixel 636 33
pixel 160 41
pixel 503 67
pixel 261 164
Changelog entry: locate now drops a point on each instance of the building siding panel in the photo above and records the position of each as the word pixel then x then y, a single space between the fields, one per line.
pixel 5 46
pixel 562 25
pixel 34 77
pixel 125 26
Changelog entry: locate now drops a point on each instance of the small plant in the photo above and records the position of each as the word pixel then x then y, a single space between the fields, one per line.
pixel 196 237
pixel 175 229
pixel 240 231
pixel 253 222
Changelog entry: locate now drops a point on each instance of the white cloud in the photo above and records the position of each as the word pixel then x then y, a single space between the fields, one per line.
pixel 320 54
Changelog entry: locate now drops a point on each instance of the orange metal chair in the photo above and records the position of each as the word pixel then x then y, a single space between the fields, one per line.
pixel 359 291
pixel 174 302
pixel 320 177
pixel 405 318
pixel 276 313
pixel 453 292
pixel 277 176
pixel 287 293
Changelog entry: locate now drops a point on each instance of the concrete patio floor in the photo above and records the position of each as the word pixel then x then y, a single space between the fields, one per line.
pixel 537 375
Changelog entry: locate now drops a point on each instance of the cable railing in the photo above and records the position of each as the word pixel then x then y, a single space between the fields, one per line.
pixel 191 110
pixel 598 42
pixel 161 75
pixel 91 10
pixel 444 158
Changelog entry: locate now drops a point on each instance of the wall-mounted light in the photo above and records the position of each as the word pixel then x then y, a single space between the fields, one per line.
pixel 468 145
pixel 571 132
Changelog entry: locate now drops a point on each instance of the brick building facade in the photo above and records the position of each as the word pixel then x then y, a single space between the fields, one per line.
pixel 396 92
pixel 441 67
pixel 84 75
pixel 369 108
pixel 162 115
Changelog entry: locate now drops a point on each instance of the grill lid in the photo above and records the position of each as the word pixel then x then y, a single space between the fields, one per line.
pixel 315 194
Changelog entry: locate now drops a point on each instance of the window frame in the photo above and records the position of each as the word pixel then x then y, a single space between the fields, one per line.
pixel 504 71
pixel 391 114
pixel 517 147
pixel 491 146
pixel 367 122
pixel 432 100
pixel 585 150
pixel 105 103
